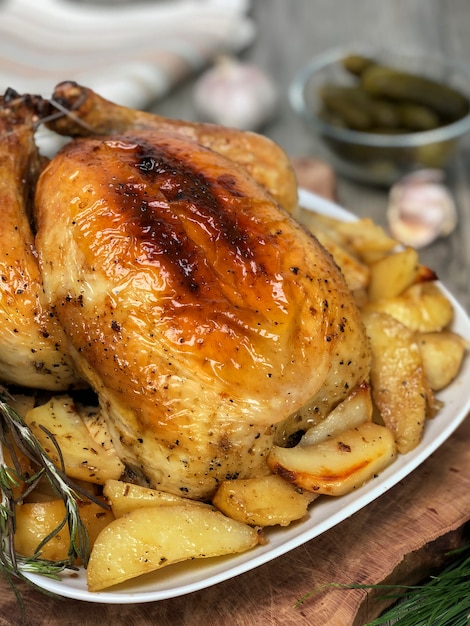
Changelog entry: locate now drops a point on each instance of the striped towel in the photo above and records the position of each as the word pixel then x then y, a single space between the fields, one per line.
pixel 131 53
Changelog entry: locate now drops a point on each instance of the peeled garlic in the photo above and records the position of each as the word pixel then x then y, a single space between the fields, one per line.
pixel 421 209
pixel 235 94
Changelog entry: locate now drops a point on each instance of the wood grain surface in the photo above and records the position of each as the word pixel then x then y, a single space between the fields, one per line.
pixel 409 529
pixel 397 538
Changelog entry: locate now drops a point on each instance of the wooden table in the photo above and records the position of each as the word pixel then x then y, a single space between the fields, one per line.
pixel 289 34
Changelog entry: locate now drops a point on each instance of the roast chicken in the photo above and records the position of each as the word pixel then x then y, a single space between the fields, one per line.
pixel 164 271
pixel 204 316
pixel 33 345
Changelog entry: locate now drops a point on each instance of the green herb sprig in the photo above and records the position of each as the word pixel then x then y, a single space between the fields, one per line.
pixel 443 600
pixel 16 435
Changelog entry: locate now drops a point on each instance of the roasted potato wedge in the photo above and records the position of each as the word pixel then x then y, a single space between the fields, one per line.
pixel 366 238
pixel 148 539
pixel 338 465
pixel 126 497
pixel 399 387
pixel 423 307
pixel 22 403
pixel 355 410
pixel 262 501
pixel 393 273
pixel 363 238
pixel 442 354
pixel 36 520
pixel 83 457
pixel 356 273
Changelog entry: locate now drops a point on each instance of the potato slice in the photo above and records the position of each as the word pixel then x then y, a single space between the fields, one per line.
pixel 83 457
pixel 399 387
pixel 356 273
pixel 422 307
pixel 354 410
pixel 338 465
pixel 392 274
pixel 126 497
pixel 36 520
pixel 365 237
pixel 148 539
pixel 442 355
pixel 262 501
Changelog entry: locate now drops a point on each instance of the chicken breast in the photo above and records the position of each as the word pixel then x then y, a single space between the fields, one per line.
pixel 33 347
pixel 201 313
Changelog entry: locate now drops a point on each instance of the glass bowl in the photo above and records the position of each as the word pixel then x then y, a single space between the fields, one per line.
pixel 377 157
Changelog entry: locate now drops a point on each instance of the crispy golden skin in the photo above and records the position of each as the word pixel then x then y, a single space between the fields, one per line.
pixel 202 313
pixel 91 114
pixel 33 347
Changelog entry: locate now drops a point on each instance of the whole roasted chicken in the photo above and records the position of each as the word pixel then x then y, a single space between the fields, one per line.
pixel 207 320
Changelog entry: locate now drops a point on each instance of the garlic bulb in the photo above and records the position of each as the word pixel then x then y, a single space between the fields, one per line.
pixel 421 209
pixel 235 94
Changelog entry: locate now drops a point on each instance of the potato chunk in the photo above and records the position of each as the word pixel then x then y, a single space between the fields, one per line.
pixel 36 520
pixel 399 386
pixel 442 355
pixel 264 501
pixel 126 497
pixel 148 539
pixel 84 458
pixel 354 410
pixel 393 273
pixel 422 307
pixel 356 273
pixel 337 465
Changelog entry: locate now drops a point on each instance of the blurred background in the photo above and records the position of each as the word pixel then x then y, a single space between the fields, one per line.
pixel 153 54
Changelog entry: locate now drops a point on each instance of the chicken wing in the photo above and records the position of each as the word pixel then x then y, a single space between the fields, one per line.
pixel 87 113
pixel 33 347
pixel 201 313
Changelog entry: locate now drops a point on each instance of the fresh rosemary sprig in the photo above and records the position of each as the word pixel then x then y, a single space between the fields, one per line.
pixel 443 600
pixel 16 435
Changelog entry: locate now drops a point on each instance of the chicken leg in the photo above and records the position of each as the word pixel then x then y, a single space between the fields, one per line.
pixel 87 113
pixel 33 346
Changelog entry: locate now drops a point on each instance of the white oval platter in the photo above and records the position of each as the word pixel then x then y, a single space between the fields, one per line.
pixel 177 580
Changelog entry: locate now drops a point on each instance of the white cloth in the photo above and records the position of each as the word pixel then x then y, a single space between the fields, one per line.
pixel 131 53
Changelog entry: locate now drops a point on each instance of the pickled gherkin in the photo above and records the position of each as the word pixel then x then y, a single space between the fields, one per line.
pixel 379 80
pixel 356 63
pixel 389 101
pixel 416 116
pixel 371 110
pixel 350 104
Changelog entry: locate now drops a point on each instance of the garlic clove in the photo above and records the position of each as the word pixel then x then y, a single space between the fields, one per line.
pixel 235 94
pixel 421 209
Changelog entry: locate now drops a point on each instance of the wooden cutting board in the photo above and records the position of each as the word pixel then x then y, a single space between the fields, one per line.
pixel 397 538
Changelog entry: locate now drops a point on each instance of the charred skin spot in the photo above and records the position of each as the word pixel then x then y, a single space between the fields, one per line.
pixel 179 182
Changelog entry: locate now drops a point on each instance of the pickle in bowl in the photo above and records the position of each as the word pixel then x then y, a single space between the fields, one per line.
pixel 380 115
